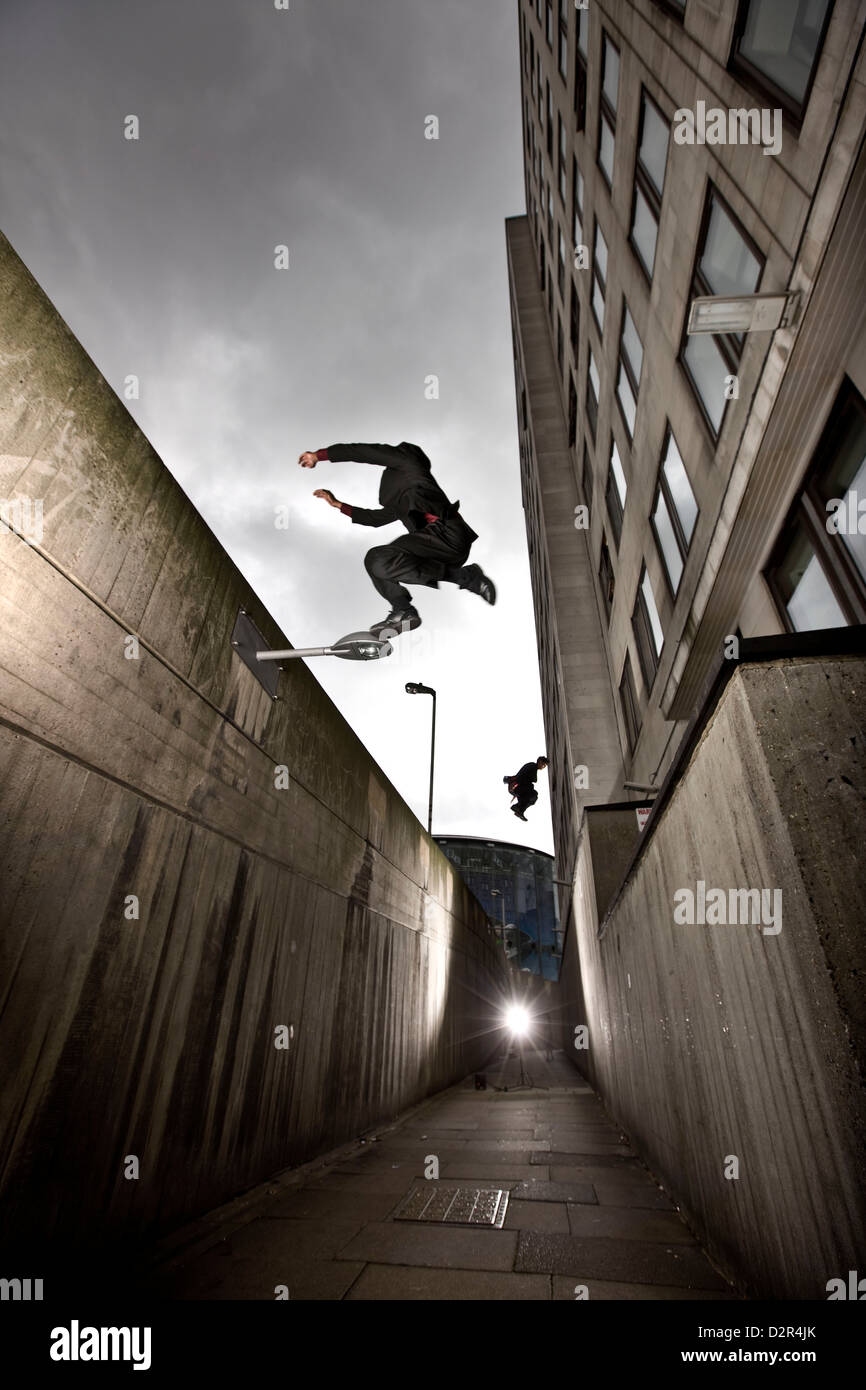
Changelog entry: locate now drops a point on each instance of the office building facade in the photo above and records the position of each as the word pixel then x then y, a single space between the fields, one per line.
pixel 683 491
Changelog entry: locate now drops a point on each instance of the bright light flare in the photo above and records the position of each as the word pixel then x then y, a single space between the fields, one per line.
pixel 517 1019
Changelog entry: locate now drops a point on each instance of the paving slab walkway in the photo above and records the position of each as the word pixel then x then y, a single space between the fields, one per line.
pixel 582 1210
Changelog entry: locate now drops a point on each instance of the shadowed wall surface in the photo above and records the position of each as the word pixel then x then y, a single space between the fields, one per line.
pixel 712 1042
pixel 321 907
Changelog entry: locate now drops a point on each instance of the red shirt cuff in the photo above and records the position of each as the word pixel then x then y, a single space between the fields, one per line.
pixel 345 509
pixel 322 454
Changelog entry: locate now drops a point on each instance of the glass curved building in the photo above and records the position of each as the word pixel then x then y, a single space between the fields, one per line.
pixel 515 886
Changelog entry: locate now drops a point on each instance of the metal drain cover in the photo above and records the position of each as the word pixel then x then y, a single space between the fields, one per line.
pixel 456 1206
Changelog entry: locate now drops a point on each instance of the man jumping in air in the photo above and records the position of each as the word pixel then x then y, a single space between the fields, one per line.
pixel 521 786
pixel 438 542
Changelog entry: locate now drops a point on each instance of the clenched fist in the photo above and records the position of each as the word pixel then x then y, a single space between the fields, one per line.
pixel 327 496
pixel 308 459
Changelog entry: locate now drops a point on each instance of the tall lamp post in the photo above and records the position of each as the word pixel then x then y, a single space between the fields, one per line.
pixel 415 688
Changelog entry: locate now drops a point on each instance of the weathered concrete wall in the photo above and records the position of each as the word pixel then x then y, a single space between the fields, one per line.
pixel 710 1041
pixel 323 906
pixel 614 832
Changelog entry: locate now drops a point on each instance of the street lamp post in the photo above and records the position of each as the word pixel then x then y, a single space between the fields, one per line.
pixel 415 688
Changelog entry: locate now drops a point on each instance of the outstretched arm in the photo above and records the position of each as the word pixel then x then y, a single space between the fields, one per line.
pixel 380 455
pixel 370 516
pixel 362 516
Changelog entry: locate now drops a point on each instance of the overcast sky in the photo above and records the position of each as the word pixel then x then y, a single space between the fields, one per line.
pixel 305 127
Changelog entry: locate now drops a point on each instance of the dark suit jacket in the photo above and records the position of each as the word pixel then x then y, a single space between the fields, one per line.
pixel 408 491
pixel 527 774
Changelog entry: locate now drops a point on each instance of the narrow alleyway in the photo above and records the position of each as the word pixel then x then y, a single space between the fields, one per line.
pixel 580 1209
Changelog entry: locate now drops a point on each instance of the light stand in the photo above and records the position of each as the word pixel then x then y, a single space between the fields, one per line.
pixel 518 1027
pixel 526 1083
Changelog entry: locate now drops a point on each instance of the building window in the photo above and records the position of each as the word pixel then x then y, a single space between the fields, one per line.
pixel 727 263
pixel 581 57
pixel 532 65
pixel 549 126
pixel 574 320
pixel 577 206
pixel 572 412
pixel 549 295
pixel 593 391
pixel 606 577
pixel 649 181
pixel 609 73
pixel 563 39
pixel 802 586
pixel 647 629
pixel 586 475
pixel 607 107
pixel 675 8
pixel 776 48
pixel 559 343
pixel 615 493
pixel 629 705
pixel 563 159
pixel 540 91
pixel 817 571
pixel 599 277
pixel 560 269
pixel 548 26
pixel 674 514
pixel 541 263
pixel 628 373
pixel 550 215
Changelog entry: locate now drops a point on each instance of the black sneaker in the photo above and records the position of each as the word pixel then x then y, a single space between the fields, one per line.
pixel 478 583
pixel 519 814
pixel 397 621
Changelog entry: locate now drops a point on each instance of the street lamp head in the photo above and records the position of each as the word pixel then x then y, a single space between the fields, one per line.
pixel 361 646
pixel 416 688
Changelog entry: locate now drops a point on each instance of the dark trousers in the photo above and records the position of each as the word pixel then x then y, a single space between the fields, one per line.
pixel 439 552
pixel 526 796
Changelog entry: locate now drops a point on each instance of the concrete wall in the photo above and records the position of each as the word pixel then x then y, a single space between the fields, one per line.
pixel 324 906
pixel 709 1041
pixel 614 833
